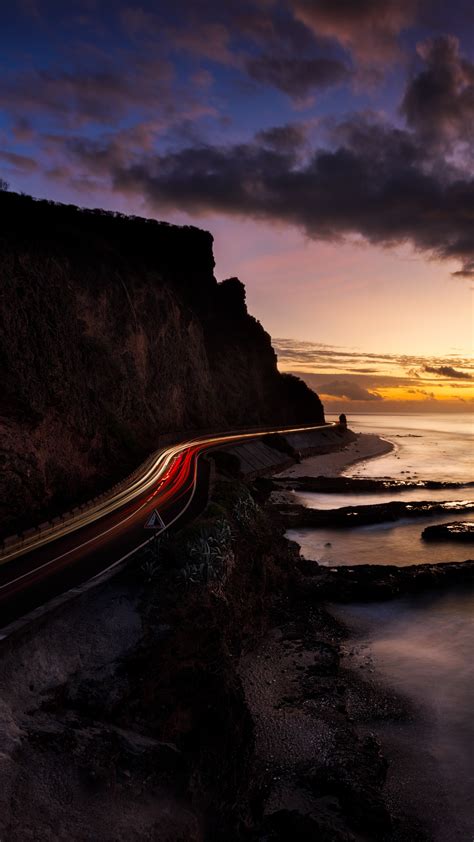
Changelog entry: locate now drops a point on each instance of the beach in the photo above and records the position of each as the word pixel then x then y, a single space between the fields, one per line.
pixel 367 446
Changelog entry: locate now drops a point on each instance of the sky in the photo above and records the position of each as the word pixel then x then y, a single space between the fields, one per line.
pixel 326 144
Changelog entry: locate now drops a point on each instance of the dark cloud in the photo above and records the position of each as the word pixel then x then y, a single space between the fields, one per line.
pixel 376 182
pixel 423 392
pixel 262 40
pixel 297 77
pixel 22 130
pixel 19 162
pixel 208 39
pixel 283 138
pixel 98 92
pixel 368 28
pixel 348 391
pixel 439 101
pixel 448 371
pixel 131 122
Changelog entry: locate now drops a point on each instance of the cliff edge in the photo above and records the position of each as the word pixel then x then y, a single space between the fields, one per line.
pixel 114 331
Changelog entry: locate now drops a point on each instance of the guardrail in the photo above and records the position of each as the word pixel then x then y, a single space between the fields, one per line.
pixel 21 540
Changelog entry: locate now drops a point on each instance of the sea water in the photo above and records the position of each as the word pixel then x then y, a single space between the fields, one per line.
pixel 427 447
pixel 422 647
pixel 430 447
pixel 396 542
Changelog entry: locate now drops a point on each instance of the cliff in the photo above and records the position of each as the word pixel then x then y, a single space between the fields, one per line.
pixel 114 331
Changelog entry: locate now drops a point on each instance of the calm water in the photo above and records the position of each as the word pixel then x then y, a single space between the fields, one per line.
pixel 396 542
pixel 439 447
pixel 422 647
pixel 315 500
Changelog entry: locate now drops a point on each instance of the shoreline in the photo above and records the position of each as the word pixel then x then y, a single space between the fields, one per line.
pixel 222 685
pixel 371 704
pixel 366 446
pixel 418 780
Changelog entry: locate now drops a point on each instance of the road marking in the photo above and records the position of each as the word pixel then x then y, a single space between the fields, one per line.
pixel 171 453
pixel 180 514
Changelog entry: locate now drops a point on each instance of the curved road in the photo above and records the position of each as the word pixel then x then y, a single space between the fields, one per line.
pixel 91 542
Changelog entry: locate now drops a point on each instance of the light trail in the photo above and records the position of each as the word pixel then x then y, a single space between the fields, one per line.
pixel 157 472
pixel 111 530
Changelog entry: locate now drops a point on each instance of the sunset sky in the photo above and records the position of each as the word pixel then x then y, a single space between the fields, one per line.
pixel 327 144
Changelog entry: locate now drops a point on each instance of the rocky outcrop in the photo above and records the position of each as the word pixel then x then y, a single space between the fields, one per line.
pixel 293 515
pixel 137 720
pixel 114 331
pixel 461 531
pixel 366 582
pixel 200 697
pixel 341 485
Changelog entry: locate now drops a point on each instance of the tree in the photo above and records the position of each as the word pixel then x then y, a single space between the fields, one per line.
pixel 4 185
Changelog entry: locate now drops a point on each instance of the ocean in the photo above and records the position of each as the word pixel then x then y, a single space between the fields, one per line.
pixel 427 447
pixel 438 447
pixel 421 647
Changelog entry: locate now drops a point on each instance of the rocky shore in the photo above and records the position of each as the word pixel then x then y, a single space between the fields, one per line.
pixel 294 515
pixel 457 531
pixel 209 697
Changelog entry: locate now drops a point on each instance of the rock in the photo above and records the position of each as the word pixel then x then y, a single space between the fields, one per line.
pixel 380 582
pixel 285 825
pixel 308 567
pixel 297 516
pixel 326 660
pixel 338 485
pixel 353 779
pixel 460 531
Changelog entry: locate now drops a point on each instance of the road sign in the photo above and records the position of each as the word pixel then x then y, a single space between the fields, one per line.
pixel 155 521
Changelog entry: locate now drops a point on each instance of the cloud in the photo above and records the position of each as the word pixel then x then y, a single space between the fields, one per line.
pixel 297 77
pixel 385 369
pixel 448 371
pixel 208 39
pixel 96 92
pixel 22 130
pixel 339 374
pixel 347 390
pixel 423 392
pixel 286 138
pixel 377 182
pixel 387 183
pixel 439 101
pixel 23 163
pixel 368 28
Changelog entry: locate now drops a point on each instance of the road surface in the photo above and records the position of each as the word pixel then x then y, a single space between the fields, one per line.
pixel 90 542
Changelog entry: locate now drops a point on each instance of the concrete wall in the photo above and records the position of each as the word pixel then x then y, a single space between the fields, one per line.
pixel 258 458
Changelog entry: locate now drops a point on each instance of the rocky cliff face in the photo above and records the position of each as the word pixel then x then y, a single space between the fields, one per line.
pixel 114 331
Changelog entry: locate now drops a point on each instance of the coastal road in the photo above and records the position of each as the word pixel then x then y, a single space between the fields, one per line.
pixel 87 543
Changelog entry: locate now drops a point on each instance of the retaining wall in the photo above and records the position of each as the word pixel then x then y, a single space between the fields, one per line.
pixel 258 458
